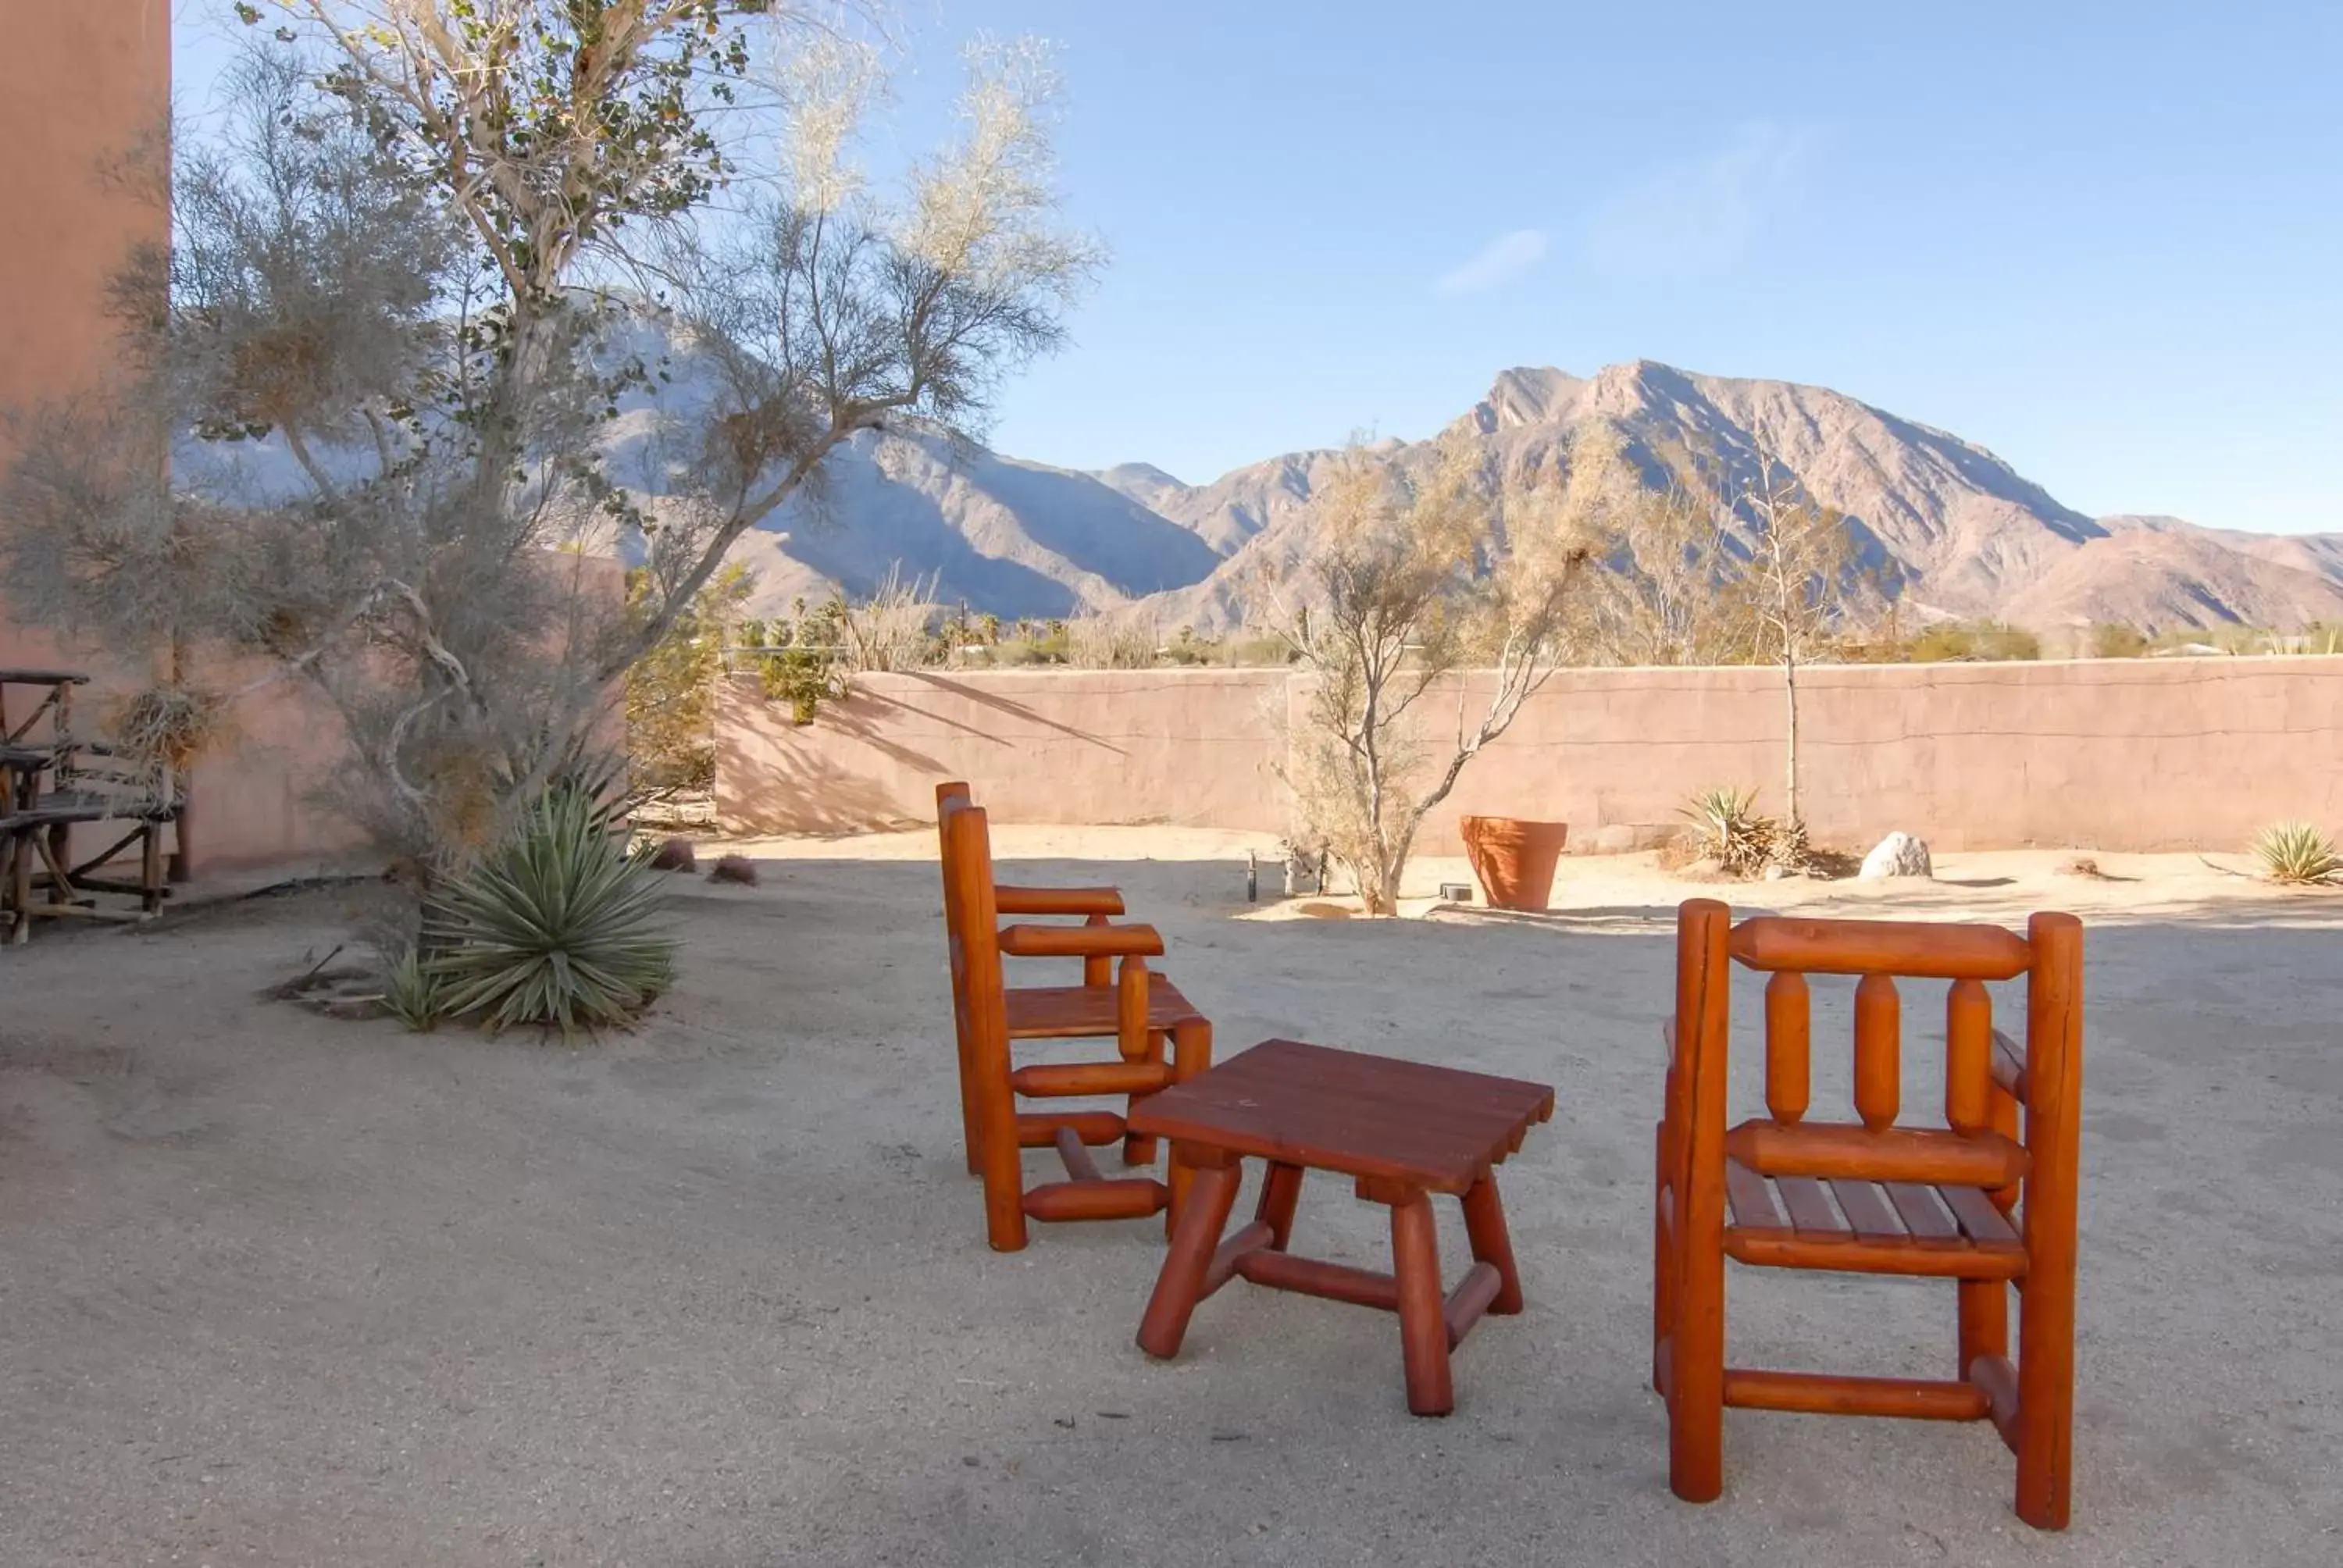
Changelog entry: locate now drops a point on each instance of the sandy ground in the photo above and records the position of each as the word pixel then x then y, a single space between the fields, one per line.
pixel 274 1289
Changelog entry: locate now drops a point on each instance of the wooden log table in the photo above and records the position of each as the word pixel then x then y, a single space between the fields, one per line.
pixel 1402 1130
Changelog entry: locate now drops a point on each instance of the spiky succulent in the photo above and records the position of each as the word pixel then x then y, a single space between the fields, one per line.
pixel 2298 854
pixel 1731 831
pixel 560 926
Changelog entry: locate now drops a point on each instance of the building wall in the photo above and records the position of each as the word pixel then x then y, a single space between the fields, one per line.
pixel 2138 755
pixel 1194 748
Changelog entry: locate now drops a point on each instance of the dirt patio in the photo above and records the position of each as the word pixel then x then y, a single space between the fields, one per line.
pixel 276 1290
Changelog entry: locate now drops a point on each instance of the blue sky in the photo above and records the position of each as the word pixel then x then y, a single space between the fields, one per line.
pixel 2103 240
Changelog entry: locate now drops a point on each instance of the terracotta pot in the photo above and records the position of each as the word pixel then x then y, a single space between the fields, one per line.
pixel 1514 859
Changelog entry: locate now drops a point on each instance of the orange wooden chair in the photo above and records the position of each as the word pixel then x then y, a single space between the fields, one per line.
pixel 1119 1000
pixel 1987 1201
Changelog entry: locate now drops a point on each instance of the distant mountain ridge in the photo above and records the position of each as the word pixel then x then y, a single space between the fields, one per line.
pixel 1968 537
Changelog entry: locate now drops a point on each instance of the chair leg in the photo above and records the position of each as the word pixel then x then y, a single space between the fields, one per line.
pixel 1001 1158
pixel 150 869
pixel 19 859
pixel 1136 1148
pixel 971 1125
pixel 1423 1328
pixel 2045 1399
pixel 1983 1314
pixel 1663 1303
pixel 60 859
pixel 1696 1366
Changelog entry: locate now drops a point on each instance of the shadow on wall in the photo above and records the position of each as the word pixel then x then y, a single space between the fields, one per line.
pixel 790 779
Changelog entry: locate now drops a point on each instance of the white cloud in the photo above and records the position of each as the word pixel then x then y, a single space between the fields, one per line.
pixel 1502 260
pixel 1704 214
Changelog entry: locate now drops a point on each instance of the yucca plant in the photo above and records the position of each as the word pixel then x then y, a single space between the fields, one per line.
pixel 2298 854
pixel 560 926
pixel 414 992
pixel 1732 831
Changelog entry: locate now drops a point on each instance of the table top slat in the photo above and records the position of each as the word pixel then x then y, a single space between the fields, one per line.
pixel 1440 1128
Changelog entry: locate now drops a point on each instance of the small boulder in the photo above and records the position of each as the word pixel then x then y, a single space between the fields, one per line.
pixel 1897 855
pixel 736 868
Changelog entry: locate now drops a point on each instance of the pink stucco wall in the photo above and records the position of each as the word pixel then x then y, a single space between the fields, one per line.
pixel 1195 748
pixel 2117 755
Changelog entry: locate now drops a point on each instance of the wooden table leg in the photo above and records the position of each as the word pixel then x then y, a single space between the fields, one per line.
pixel 1423 1328
pixel 1197 1237
pixel 1484 1221
pixel 1281 1189
pixel 1192 1054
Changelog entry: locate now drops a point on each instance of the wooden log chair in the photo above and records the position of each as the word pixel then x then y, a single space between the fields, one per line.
pixel 1120 998
pixel 1987 1201
pixel 130 803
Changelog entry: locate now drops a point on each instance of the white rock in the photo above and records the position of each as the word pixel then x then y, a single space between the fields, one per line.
pixel 1897 855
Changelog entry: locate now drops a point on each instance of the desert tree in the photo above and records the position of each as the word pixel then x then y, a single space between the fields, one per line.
pixel 408 349
pixel 1668 594
pixel 1794 589
pixel 1406 580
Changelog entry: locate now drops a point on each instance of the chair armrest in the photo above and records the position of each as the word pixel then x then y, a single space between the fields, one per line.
pixel 1080 942
pixel 1020 900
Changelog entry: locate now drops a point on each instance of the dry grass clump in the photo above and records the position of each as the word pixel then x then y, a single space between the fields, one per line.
pixel 736 868
pixel 169 724
pixel 674 855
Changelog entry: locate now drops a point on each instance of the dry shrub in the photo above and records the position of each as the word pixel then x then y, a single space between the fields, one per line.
pixel 169 726
pixel 736 868
pixel 889 630
pixel 674 855
pixel 1110 641
pixel 1729 829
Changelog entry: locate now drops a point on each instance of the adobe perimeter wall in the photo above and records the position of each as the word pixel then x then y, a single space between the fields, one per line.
pixel 2117 755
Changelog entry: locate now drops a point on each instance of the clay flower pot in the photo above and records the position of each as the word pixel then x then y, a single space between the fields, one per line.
pixel 1514 859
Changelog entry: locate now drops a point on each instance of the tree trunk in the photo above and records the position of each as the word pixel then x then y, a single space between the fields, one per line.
pixel 1790 691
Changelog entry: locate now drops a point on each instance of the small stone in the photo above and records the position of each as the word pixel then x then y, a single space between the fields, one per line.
pixel 1897 855
pixel 1779 873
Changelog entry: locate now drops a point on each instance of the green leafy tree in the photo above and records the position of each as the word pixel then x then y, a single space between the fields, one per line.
pixel 671 689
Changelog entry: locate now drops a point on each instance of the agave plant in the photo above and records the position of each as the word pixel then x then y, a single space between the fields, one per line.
pixel 413 991
pixel 1731 832
pixel 2298 854
pixel 560 926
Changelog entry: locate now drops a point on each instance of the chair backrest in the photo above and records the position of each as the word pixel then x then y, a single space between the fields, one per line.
pixel 1988 1078
pixel 951 796
pixel 971 918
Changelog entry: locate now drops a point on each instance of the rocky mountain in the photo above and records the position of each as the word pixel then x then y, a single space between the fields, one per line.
pixel 1967 536
pixel 993 533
